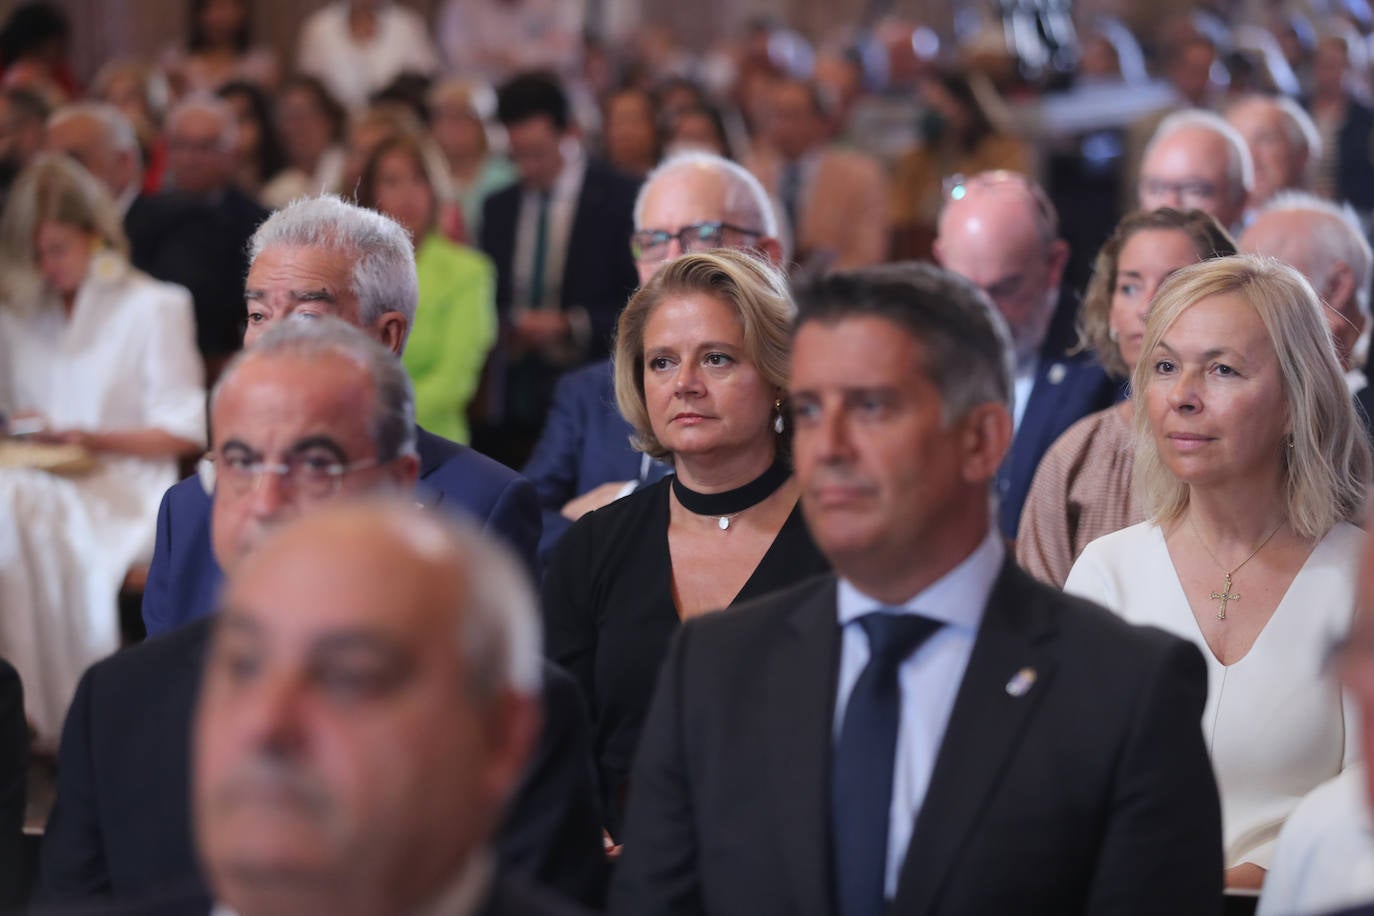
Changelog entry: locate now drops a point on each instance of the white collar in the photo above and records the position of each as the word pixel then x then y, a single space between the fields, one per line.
pixel 957 598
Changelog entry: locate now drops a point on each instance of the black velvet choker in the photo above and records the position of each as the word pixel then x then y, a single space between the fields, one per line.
pixel 732 502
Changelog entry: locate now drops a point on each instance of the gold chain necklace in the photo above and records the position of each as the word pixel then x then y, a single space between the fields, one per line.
pixel 1226 596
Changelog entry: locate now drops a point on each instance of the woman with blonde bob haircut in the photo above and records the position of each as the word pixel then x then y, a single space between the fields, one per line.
pixel 1251 462
pixel 700 367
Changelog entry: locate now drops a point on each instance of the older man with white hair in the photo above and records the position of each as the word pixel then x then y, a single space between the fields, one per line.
pixel 324 256
pixel 583 459
pixel 1324 242
pixel 1284 144
pixel 1197 161
pixel 103 140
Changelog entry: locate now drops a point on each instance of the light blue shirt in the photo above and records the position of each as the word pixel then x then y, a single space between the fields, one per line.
pixel 929 679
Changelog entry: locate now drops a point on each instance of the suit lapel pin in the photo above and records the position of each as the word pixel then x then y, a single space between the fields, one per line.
pixel 1021 682
pixel 1056 374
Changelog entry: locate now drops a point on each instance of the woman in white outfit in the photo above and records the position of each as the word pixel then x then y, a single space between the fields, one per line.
pixel 1250 462
pixel 100 357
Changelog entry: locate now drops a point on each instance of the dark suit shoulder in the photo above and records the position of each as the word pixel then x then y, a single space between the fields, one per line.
pixel 186 497
pixel 151 664
pixel 810 602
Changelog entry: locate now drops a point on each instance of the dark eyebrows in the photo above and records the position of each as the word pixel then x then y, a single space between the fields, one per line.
pixel 317 441
pixel 323 294
pixel 238 446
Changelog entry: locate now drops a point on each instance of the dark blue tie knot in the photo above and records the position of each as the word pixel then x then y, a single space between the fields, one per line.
pixel 893 637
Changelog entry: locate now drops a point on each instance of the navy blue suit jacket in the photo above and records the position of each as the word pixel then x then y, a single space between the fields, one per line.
pixel 184 578
pixel 120 827
pixel 585 443
pixel 1067 388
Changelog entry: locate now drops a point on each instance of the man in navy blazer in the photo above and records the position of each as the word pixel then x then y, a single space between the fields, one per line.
pixel 583 459
pixel 323 256
pixel 999 230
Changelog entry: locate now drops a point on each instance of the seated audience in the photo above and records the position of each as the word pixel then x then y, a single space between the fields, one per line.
pixel 957 137
pixel 835 200
pixel 356 47
pixel 458 119
pixel 455 318
pixel 138 90
pixel 385 799
pixel 930 730
pixel 1082 488
pixel 1283 142
pixel 583 459
pixel 701 357
pixel 322 256
pixel 219 50
pixel 101 359
pixel 1325 243
pixel 103 141
pixel 1251 461
pixel 311 126
pixel 495 39
pixel 322 412
pixel 1196 161
pixel 258 150
pixel 23 131
pixel 14 774
pixel 1345 123
pixel 630 131
pixel 999 230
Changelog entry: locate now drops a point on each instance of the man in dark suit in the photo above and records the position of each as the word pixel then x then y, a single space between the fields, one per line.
pixel 583 459
pixel 934 732
pixel 14 774
pixel 322 256
pixel 999 230
pixel 559 238
pixel 317 410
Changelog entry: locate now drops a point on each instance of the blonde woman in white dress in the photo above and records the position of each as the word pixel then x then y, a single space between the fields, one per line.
pixel 99 356
pixel 1250 462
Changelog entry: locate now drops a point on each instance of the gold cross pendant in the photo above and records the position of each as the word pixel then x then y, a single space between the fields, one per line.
pixel 1225 597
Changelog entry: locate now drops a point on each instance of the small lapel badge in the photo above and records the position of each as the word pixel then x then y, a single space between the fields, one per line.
pixel 1056 373
pixel 1021 682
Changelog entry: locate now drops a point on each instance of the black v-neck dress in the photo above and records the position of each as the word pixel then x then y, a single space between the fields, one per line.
pixel 609 614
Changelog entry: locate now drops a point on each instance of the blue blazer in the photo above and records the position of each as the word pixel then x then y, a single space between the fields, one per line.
pixel 585 443
pixel 1066 389
pixel 184 579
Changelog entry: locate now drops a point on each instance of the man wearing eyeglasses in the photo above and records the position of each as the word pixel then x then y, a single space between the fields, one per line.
pixel 695 201
pixel 312 412
pixel 1196 161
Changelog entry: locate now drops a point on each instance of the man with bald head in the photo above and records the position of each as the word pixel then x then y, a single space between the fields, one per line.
pixel 370 702
pixel 315 411
pixel 1323 242
pixel 583 459
pixel 1000 231
pixel 1196 161
pixel 1284 144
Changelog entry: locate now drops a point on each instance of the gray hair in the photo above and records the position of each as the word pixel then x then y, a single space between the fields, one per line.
pixel 210 104
pixel 393 398
pixel 964 339
pixel 1240 167
pixel 384 259
pixel 1337 238
pixel 118 131
pixel 745 198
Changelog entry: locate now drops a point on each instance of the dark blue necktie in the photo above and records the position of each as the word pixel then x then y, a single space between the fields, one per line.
pixel 861 774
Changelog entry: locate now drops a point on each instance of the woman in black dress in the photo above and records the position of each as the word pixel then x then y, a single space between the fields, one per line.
pixel 700 369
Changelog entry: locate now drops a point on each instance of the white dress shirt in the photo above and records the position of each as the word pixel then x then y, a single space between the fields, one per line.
pixel 351 70
pixel 929 679
pixel 1022 385
pixel 567 188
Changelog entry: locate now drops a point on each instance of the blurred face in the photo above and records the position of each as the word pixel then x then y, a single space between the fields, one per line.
pixel 404 194
pixel 535 148
pixel 1215 396
pixel 288 411
pixel 703 394
pixel 1329 66
pixel 1187 171
pixel 630 134
pixel 248 136
pixel 221 19
pixel 196 156
pixel 694 130
pixel 1277 164
pixel 81 138
pixel 305 129
pixel 341 762
pixel 287 279
pixel 363 139
pixel 458 133
pixel 880 469
pixel 1192 72
pixel 63 256
pixel 794 125
pixel 1146 260
pixel 690 197
pixel 21 137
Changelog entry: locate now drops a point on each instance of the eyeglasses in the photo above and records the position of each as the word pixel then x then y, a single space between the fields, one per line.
pixel 955 187
pixel 1188 193
pixel 311 475
pixel 650 245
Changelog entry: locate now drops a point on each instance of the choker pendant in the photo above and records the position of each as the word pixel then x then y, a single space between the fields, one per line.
pixel 728 505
